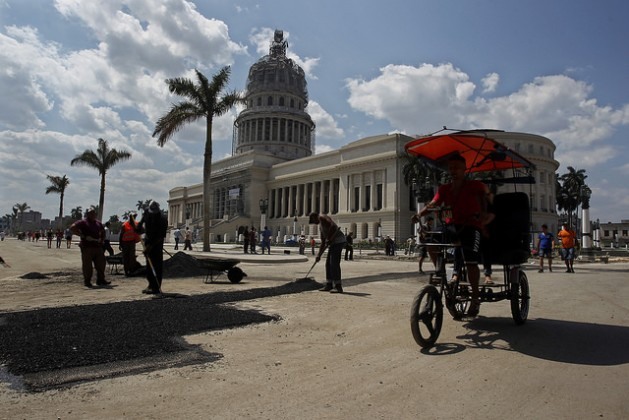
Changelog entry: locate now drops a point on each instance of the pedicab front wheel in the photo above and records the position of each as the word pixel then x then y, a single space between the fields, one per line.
pixel 426 316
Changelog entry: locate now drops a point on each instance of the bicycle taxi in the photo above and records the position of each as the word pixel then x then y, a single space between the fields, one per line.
pixel 509 234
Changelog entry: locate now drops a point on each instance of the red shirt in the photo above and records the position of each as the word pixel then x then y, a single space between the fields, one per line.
pixel 92 233
pixel 467 206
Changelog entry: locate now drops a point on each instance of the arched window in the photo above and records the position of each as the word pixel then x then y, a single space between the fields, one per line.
pixel 281 101
pixel 269 101
pixel 259 101
pixel 292 103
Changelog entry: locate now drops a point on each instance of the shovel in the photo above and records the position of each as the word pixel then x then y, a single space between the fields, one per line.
pixel 308 273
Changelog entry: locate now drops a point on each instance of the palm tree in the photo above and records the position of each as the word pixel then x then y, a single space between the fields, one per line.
pixel 7 217
pixel 204 100
pixel 76 213
pixel 21 208
pixel 58 185
pixel 143 205
pixel 102 160
pixel 570 194
pixel 420 175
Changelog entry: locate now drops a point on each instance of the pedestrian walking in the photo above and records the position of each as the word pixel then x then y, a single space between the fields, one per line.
pixel 107 242
pixel 187 241
pixel 177 236
pixel 545 248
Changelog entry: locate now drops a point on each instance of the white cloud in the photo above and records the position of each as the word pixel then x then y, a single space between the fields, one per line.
pixel 414 99
pixel 322 148
pixel 326 126
pixel 421 99
pixel 490 82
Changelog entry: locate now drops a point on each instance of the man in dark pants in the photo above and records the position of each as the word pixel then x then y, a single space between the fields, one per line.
pixel 92 235
pixel 349 247
pixel 333 239
pixel 154 226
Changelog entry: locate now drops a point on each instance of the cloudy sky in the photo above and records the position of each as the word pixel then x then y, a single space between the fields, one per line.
pixel 73 71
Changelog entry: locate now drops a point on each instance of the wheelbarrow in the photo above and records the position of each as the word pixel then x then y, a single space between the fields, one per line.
pixel 215 267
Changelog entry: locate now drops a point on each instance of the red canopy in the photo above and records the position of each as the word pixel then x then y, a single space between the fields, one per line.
pixel 481 153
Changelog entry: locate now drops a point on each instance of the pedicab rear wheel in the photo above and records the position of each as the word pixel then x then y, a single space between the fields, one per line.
pixel 520 298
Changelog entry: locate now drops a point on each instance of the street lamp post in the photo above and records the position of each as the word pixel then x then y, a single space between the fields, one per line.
pixel 597 234
pixel 295 225
pixel 586 228
pixel 264 205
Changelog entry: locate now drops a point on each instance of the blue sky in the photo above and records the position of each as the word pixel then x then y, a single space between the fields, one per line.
pixel 72 71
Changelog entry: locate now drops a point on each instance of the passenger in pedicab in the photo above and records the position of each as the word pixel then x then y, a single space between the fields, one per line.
pixel 467 200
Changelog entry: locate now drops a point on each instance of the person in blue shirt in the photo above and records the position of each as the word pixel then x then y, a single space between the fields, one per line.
pixel 545 248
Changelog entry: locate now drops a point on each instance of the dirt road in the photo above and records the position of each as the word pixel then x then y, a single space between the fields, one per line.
pixel 352 355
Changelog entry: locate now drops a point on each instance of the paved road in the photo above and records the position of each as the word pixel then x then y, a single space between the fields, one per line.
pixel 353 356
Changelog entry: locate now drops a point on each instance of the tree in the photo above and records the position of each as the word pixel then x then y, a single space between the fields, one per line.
pixel 21 208
pixel 102 160
pixel 569 195
pixel 58 185
pixel 419 174
pixel 204 101
pixel 76 213
pixel 143 205
pixel 8 220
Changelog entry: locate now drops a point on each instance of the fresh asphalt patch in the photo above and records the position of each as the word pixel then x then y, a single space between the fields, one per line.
pixel 54 347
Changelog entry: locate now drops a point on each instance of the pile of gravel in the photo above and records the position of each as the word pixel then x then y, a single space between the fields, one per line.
pixel 184 265
pixel 35 275
pixel 53 339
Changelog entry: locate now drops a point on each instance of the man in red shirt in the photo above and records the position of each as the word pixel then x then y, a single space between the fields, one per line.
pixel 467 203
pixel 92 235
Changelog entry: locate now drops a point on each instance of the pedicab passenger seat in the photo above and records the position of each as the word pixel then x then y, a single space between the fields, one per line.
pixel 509 232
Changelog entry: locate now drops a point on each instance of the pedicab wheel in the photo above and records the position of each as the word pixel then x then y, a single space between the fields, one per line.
pixel 426 316
pixel 520 298
pixel 456 302
pixel 456 306
pixel 235 274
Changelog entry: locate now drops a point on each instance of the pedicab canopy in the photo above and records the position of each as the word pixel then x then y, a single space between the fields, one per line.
pixel 481 152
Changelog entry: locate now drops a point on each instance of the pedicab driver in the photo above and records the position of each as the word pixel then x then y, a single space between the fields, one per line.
pixel 467 200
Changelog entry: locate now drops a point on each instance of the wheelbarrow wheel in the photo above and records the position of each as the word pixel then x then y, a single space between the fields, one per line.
pixel 235 274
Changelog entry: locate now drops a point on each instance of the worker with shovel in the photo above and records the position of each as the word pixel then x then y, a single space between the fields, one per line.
pixel 334 239
pixel 154 225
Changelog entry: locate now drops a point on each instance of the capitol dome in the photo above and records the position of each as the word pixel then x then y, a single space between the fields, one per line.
pixel 275 119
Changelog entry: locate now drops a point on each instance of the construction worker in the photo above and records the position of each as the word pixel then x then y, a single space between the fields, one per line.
pixel 127 239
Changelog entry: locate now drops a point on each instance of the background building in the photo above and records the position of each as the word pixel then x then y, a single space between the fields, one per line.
pixel 273 179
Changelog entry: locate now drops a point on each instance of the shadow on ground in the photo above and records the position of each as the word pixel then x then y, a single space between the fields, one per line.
pixel 556 340
pixel 58 346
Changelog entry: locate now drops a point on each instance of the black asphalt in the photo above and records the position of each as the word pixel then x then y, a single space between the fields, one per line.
pixel 47 342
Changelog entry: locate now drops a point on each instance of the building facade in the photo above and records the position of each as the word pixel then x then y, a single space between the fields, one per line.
pixel 273 178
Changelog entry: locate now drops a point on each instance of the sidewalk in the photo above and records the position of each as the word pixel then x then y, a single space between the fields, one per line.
pixel 277 256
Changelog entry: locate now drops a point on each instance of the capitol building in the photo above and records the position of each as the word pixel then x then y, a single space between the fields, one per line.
pixel 274 179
